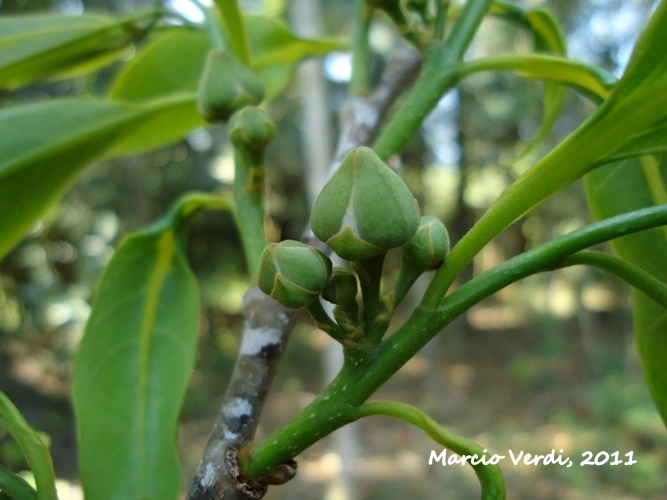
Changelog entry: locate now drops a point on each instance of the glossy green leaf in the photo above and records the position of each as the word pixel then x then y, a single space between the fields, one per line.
pixel 549 39
pixel 51 46
pixel 33 448
pixel 174 62
pixel 590 80
pixel 45 147
pixel 135 360
pixel 618 188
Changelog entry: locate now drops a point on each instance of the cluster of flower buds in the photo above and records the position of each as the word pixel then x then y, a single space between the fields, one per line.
pixel 362 212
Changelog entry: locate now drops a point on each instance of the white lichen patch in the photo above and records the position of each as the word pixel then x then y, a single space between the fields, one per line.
pixel 237 408
pixel 256 339
pixel 230 437
pixel 208 478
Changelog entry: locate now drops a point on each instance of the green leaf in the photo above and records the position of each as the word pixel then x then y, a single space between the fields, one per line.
pixel 158 123
pixel 618 188
pixel 590 80
pixel 45 147
pixel 135 360
pixel 14 486
pixel 32 446
pixel 273 44
pixel 549 39
pixel 51 46
pixel 173 62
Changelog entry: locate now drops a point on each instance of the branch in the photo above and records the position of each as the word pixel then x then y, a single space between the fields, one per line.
pixel 268 325
pixel 265 332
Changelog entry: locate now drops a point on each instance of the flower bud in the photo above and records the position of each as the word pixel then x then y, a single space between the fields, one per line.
pixel 251 128
pixel 225 86
pixel 342 287
pixel 365 209
pixel 293 273
pixel 430 244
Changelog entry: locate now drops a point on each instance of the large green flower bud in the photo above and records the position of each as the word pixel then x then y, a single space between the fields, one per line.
pixel 365 209
pixel 225 86
pixel 430 244
pixel 293 273
pixel 251 128
pixel 342 287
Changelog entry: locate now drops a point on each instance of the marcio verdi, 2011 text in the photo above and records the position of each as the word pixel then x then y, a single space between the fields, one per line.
pixel 519 457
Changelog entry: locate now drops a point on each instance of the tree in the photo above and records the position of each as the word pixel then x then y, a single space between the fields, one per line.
pixel 138 350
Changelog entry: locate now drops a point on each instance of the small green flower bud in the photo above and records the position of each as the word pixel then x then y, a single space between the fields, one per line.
pixel 225 86
pixel 293 273
pixel 365 209
pixel 252 128
pixel 342 287
pixel 430 244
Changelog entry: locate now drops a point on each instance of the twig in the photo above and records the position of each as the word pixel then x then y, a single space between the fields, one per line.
pixel 268 325
pixel 266 329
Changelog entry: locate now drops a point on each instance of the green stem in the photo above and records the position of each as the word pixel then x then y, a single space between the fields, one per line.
pixel 324 321
pixel 367 367
pixel 490 476
pixel 546 257
pixel 235 28
pixel 407 277
pixel 215 35
pixel 370 276
pixel 439 74
pixel 626 271
pixel 249 196
pixel 441 19
pixel 360 81
pixel 331 410
pixel 569 161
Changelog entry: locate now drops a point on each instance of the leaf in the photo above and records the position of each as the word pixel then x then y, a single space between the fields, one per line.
pixel 32 446
pixel 549 39
pixel 273 44
pixel 135 360
pixel 618 188
pixel 51 46
pixel 174 62
pixel 171 63
pixel 590 80
pixel 15 486
pixel 45 147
